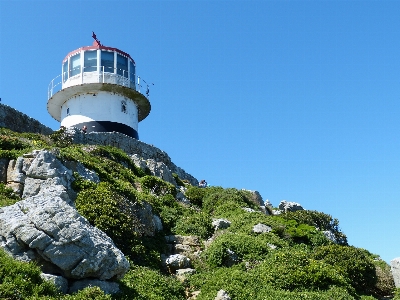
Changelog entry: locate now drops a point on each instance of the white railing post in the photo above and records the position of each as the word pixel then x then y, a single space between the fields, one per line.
pixel 103 74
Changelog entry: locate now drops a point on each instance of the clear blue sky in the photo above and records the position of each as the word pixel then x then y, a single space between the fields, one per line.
pixel 299 100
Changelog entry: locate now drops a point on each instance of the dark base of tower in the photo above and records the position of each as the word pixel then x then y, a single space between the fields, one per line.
pixel 107 126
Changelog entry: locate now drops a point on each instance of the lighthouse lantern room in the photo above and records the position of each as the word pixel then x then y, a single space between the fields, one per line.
pixel 98 91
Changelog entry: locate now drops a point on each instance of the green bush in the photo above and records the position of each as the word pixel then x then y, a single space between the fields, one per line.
pixel 111 212
pixel 12 143
pixel 306 234
pixel 119 156
pixel 61 138
pixel 105 162
pixel 89 293
pixel 354 263
pixel 384 279
pixel 240 283
pixel 293 269
pixel 80 184
pixel 192 223
pixel 141 283
pixel 7 196
pixel 397 294
pixel 228 199
pixel 157 186
pixel 246 247
pixel 21 280
pixel 319 220
pixel 195 195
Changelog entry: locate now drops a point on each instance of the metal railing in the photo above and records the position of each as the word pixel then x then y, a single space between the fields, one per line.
pixel 97 76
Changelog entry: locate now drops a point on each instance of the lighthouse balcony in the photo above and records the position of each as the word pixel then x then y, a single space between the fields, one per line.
pixel 86 77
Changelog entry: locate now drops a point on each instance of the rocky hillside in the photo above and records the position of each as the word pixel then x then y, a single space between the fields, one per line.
pixel 103 216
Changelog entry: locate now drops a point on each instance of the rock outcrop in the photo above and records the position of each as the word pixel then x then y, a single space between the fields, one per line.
pixel 158 169
pixel 289 206
pixel 395 266
pixel 221 224
pixel 47 228
pixel 261 228
pixel 19 122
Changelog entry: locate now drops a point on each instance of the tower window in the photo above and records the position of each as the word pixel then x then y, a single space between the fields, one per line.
pixel 132 71
pixel 122 65
pixel 75 67
pixel 107 61
pixel 68 111
pixel 90 61
pixel 65 70
pixel 123 106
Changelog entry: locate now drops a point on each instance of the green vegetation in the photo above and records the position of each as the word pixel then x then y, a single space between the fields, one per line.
pixel 7 197
pixel 293 261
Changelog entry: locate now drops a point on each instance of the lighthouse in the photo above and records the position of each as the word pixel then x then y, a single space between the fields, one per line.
pixel 97 91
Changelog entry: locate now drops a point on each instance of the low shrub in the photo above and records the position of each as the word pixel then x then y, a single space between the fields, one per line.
pixel 246 247
pixel 295 270
pixel 7 196
pixel 355 263
pixel 21 280
pixel 112 213
pixel 61 138
pixel 195 195
pixel 12 143
pixel 192 223
pixel 319 220
pixel 157 186
pixel 89 293
pixel 217 198
pixel 242 284
pixel 141 283
pixel 122 178
pixel 397 294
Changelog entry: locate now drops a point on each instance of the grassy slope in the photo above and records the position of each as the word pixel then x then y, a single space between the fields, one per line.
pixel 304 264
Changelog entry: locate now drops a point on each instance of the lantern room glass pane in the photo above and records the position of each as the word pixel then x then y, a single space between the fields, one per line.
pixel 90 61
pixel 131 72
pixel 75 65
pixel 122 65
pixel 107 61
pixel 65 71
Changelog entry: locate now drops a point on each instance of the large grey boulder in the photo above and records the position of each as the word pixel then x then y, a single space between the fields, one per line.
pixel 289 206
pixel 261 228
pixel 47 227
pixel 221 224
pixel 177 261
pixel 395 266
pixel 256 197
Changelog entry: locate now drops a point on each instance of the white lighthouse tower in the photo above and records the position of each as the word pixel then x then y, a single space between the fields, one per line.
pixel 98 91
